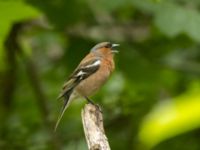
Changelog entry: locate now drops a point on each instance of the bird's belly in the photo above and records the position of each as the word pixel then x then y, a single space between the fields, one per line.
pixel 90 85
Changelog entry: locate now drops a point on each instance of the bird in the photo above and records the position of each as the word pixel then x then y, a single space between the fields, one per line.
pixel 89 76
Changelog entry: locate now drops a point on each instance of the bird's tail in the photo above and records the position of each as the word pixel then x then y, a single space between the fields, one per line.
pixel 67 101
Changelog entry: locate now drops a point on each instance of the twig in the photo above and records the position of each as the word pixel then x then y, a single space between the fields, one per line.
pixel 9 75
pixel 13 43
pixel 92 120
pixel 131 32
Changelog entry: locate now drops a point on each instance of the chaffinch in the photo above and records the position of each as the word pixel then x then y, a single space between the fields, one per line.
pixel 89 76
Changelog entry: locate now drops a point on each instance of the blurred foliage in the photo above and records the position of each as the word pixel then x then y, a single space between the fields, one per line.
pixel 150 102
pixel 171 117
pixel 11 12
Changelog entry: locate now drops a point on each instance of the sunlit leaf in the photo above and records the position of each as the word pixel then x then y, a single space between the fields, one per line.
pixel 172 117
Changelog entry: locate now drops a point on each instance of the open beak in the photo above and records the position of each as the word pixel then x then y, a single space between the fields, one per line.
pixel 113 48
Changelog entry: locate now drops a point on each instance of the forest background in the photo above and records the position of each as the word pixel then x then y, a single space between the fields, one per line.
pixel 152 100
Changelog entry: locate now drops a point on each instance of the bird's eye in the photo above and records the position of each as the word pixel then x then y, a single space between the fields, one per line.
pixel 108 45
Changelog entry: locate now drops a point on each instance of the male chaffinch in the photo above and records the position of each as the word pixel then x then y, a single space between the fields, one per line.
pixel 89 76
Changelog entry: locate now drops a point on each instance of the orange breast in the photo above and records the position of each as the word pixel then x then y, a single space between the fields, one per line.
pixel 90 85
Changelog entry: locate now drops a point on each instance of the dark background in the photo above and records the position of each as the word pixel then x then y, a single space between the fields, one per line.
pixel 152 100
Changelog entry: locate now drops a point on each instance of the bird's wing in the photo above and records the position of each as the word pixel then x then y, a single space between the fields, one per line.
pixel 83 71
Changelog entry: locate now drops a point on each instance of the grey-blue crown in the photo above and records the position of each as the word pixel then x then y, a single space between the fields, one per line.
pixel 101 45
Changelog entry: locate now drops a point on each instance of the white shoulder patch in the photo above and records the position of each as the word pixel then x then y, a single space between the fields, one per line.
pixel 96 63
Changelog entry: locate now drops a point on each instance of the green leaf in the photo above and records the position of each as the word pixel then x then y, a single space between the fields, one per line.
pixel 173 19
pixel 10 13
pixel 172 117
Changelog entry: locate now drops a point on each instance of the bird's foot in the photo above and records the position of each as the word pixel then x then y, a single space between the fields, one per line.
pixel 91 102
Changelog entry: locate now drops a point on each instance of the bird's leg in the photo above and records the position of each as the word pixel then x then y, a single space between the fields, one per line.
pixel 91 102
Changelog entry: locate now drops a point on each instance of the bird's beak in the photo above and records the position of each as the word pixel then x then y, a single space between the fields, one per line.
pixel 113 48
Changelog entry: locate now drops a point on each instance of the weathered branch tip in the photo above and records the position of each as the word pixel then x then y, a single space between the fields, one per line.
pixel 92 120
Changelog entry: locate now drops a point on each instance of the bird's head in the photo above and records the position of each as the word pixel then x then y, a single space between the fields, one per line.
pixel 105 48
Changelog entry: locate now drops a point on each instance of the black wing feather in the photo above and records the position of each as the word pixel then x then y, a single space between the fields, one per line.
pixel 75 79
